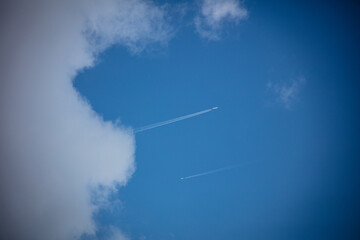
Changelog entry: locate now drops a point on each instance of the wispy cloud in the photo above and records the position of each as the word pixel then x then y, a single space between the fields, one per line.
pixel 117 234
pixel 53 146
pixel 287 93
pixel 135 24
pixel 214 13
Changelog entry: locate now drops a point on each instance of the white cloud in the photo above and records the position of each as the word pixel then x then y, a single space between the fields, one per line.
pixel 287 93
pixel 214 13
pixel 53 146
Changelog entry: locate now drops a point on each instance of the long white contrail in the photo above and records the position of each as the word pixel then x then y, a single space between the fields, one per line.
pixel 215 171
pixel 159 124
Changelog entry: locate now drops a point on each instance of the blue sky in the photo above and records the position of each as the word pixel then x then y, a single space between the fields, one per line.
pixel 78 77
pixel 301 181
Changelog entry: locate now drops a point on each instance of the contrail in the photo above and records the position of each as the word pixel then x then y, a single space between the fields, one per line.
pixel 215 171
pixel 159 124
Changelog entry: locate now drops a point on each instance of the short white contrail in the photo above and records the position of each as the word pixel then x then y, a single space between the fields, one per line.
pixel 214 171
pixel 159 124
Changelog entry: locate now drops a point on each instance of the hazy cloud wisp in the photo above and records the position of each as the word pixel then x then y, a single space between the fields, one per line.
pixel 287 93
pixel 214 13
